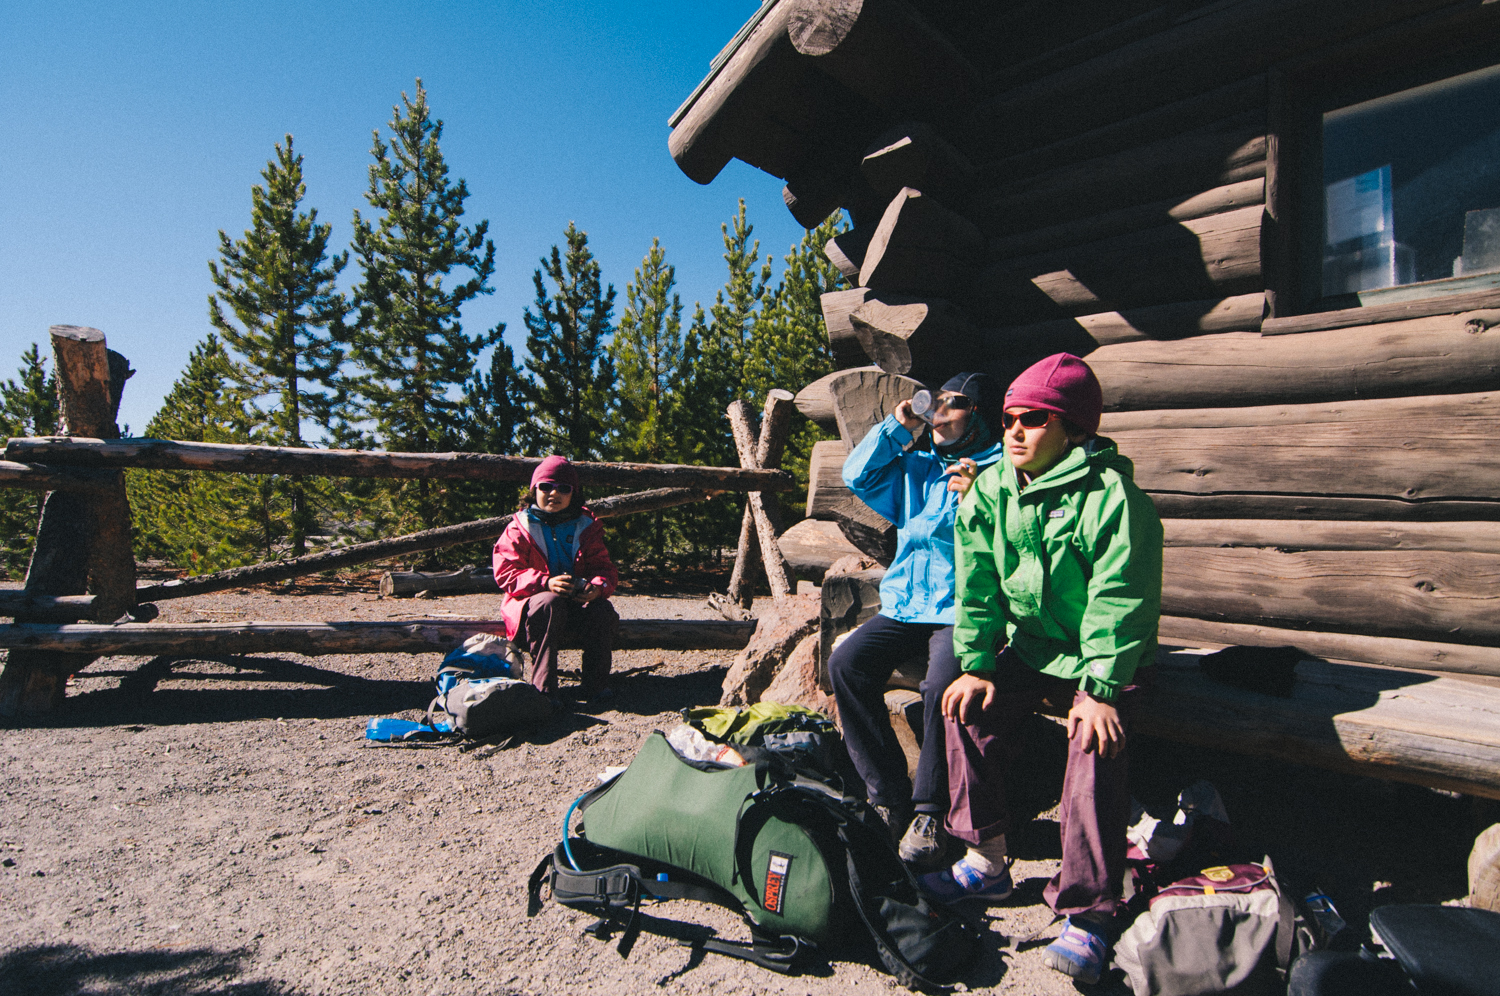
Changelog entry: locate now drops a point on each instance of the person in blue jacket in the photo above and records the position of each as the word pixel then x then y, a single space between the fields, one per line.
pixel 914 475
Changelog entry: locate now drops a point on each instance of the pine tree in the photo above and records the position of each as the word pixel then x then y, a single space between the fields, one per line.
pixel 409 343
pixel 569 390
pixel 789 342
pixel 278 284
pixel 26 409
pixel 647 353
pixel 714 354
pixel 495 413
pixel 207 522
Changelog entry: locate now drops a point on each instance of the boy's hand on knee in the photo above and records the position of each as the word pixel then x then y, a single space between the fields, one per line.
pixel 1098 725
pixel 967 697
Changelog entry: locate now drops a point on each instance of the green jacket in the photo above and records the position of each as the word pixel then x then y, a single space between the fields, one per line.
pixel 1068 572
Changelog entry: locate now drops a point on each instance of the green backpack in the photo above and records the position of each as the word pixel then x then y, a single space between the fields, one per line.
pixel 808 867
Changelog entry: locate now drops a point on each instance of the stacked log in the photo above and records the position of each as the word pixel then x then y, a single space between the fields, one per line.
pixel 1122 182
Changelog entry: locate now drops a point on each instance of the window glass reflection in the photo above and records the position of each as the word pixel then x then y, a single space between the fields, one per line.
pixel 1411 185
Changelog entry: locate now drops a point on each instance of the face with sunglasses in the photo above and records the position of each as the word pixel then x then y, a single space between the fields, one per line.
pixel 1035 438
pixel 552 497
pixel 950 417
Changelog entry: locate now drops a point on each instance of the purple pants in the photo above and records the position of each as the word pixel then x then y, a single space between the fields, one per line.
pixel 549 617
pixel 1095 806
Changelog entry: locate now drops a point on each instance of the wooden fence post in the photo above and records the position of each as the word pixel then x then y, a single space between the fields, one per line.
pixel 761 523
pixel 81 536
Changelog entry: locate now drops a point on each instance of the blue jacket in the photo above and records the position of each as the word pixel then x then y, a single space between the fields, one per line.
pixel 911 490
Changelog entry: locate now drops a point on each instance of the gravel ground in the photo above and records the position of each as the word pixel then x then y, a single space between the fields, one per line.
pixel 196 826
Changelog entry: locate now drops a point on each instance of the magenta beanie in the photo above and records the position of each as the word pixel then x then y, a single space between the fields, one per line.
pixel 556 469
pixel 1061 383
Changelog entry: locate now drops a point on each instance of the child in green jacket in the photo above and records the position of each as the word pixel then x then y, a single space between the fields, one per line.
pixel 1059 566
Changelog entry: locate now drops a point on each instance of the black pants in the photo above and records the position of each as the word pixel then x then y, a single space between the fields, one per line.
pixel 859 669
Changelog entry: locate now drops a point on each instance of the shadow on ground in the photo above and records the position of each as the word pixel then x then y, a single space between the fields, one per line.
pixel 68 970
pixel 235 689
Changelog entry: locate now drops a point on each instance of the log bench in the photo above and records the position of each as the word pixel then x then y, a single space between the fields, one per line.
pixel 1393 723
pixel 1390 723
pixel 346 637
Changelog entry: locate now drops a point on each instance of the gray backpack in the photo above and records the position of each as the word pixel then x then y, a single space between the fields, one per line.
pixel 487 708
pixel 1228 929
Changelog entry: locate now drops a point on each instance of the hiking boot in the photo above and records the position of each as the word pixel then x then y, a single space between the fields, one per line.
pixel 923 843
pixel 962 882
pixel 1078 953
pixel 895 819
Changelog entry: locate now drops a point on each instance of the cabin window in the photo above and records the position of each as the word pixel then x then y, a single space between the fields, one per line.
pixel 1410 193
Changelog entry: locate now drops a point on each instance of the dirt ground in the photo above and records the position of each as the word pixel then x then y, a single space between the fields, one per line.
pixel 221 826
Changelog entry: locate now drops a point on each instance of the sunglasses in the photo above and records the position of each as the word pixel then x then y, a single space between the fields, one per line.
pixel 1034 419
pixel 547 487
pixel 955 402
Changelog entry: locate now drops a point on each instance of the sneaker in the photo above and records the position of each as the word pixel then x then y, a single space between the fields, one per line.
pixel 1078 953
pixel 963 882
pixel 924 842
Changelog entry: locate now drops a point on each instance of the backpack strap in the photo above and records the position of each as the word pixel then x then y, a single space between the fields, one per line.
pixel 893 959
pixel 1286 930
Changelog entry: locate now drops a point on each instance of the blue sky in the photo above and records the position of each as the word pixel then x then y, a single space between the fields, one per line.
pixel 133 133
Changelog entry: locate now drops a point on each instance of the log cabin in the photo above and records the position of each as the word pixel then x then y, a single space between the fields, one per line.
pixel 1273 229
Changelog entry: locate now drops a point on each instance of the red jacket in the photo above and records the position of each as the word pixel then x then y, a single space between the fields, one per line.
pixel 520 562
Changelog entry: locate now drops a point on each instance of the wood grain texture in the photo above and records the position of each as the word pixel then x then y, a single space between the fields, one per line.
pixel 910 336
pixel 1229 197
pixel 713 129
pixel 1478 301
pixel 885 51
pixel 913 154
pixel 1441 732
pixel 39 477
pixel 1440 355
pixel 1301 507
pixel 921 248
pixel 825 481
pixel 811 547
pixel 1316 534
pixel 1228 151
pixel 1184 261
pixel 1421 655
pixel 165 454
pixel 397 546
pixel 1449 596
pixel 1203 49
pixel 862 398
pixel 1411 449
pixel 846 251
pixel 761 518
pixel 843 342
pixel 407 636
pixel 466 580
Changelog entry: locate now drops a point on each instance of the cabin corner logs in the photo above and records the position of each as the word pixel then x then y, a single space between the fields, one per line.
pixel 1105 181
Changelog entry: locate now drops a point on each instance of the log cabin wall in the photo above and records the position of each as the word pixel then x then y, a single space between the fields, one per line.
pixel 1116 179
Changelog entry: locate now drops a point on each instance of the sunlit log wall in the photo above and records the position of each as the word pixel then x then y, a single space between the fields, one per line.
pixel 1109 178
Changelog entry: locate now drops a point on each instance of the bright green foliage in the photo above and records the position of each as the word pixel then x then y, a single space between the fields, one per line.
pixel 206 522
pixel 412 351
pixel 495 414
pixel 789 346
pixel 714 354
pixel 569 390
pixel 278 284
pixel 26 409
pixel 647 356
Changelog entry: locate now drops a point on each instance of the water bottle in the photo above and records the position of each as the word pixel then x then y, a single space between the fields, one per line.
pixel 1325 917
pixel 922 405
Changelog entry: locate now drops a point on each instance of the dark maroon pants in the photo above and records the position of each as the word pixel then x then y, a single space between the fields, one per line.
pixel 1095 806
pixel 549 617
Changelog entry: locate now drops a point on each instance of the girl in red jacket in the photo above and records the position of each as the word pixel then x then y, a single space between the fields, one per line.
pixel 556 578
